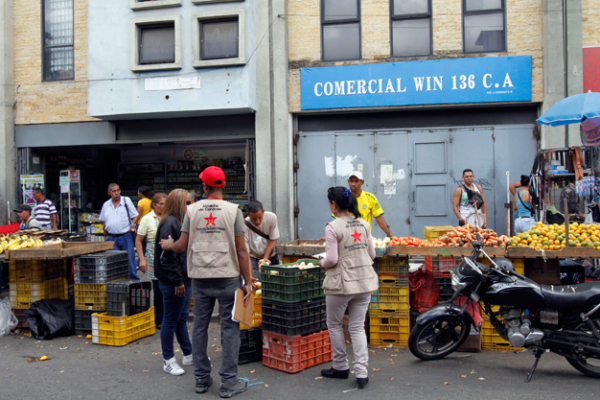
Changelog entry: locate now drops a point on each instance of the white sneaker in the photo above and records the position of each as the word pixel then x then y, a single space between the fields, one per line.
pixel 172 367
pixel 188 360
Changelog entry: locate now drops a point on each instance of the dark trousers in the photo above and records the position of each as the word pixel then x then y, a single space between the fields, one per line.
pixel 176 312
pixel 125 242
pixel 158 303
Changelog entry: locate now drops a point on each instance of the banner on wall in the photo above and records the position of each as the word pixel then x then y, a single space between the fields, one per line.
pixel 28 183
pixel 406 83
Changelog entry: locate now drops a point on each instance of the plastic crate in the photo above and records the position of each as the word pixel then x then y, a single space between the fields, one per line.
pixel 22 295
pixel 128 297
pixel 83 321
pixel 446 291
pixel 102 259
pixel 90 296
pixel 291 284
pixel 256 312
pixel 250 345
pixel 119 331
pixel 491 340
pixel 293 319
pixel 519 264
pixel 384 325
pixel 413 318
pixel 441 266
pixel 390 265
pixel 396 340
pixel 391 298
pixel 295 353
pixel 101 273
pixel 22 321
pixel 392 281
pixel 37 271
pixel 433 232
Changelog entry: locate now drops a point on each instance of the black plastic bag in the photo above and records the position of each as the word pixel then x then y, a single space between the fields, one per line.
pixel 48 319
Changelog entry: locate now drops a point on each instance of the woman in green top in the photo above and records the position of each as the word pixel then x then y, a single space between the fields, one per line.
pixel 147 230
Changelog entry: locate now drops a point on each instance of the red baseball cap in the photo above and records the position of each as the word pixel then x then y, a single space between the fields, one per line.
pixel 213 176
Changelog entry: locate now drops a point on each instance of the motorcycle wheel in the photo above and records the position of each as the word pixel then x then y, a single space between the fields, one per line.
pixel 589 366
pixel 437 338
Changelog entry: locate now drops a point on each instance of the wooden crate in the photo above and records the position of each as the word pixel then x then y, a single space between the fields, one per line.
pixel 57 251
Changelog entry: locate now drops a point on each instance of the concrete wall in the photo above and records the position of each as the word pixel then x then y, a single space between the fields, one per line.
pixel 47 102
pixel 7 132
pixel 115 92
pixel 524 37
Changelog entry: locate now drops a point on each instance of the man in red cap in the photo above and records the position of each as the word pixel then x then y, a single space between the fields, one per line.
pixel 213 235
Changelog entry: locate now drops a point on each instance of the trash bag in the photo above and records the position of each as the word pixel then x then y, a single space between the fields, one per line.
pixel 424 292
pixel 50 318
pixel 8 321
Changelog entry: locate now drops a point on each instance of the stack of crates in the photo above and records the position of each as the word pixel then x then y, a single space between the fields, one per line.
pixel 251 336
pixel 389 313
pixel 92 273
pixel 33 280
pixel 294 317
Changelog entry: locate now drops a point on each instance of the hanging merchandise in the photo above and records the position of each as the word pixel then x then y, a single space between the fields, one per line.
pixel 589 131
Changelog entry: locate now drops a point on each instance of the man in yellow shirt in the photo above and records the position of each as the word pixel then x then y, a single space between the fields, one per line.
pixel 368 205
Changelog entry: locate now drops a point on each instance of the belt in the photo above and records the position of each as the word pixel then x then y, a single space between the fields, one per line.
pixel 525 217
pixel 117 235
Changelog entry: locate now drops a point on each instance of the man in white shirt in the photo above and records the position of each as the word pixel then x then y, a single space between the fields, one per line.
pixel 261 236
pixel 119 216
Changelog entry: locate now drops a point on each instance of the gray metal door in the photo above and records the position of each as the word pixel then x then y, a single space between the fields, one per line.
pixel 392 152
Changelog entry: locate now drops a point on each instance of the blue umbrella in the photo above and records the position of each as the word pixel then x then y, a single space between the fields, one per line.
pixel 572 110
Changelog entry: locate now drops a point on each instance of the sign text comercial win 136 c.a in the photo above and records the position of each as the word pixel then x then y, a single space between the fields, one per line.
pixel 468 80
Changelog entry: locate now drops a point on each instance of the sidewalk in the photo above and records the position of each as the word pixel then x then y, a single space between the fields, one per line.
pixel 78 369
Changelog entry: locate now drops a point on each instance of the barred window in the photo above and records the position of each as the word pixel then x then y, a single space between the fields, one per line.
pixel 58 50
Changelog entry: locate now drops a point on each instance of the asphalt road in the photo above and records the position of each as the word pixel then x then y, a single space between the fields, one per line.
pixel 78 369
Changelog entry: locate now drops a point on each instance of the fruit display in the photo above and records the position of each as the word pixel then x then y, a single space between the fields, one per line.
pixel 16 242
pixel 461 236
pixel 381 243
pixel 554 237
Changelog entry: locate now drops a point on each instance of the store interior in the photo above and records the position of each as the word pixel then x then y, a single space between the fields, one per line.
pixel 162 166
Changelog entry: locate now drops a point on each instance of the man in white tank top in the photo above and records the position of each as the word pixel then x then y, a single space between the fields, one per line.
pixel 460 202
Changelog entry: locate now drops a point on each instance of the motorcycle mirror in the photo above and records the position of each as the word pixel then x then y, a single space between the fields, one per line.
pixel 478 237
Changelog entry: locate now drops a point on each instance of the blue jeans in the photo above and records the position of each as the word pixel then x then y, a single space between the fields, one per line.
pixel 205 294
pixel 125 242
pixel 174 321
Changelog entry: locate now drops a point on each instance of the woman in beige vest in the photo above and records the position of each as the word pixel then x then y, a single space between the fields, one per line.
pixel 349 281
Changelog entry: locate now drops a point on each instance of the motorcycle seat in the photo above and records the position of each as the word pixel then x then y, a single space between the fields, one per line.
pixel 563 296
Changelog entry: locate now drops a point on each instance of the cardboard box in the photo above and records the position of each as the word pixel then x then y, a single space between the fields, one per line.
pixel 473 343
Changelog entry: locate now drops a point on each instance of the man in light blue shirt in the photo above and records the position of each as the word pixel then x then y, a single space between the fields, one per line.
pixel 119 216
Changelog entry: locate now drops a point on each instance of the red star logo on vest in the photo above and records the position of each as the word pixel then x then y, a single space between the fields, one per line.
pixel 356 236
pixel 210 220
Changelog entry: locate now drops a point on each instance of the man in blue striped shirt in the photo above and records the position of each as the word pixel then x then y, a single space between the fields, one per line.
pixel 45 212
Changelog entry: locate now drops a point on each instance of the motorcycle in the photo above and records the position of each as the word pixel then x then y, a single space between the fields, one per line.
pixel 564 320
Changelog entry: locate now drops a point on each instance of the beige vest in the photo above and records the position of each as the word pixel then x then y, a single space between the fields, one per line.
pixel 354 271
pixel 211 247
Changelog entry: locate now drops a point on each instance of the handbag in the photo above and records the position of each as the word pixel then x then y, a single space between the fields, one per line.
pixel 274 258
pixel 474 197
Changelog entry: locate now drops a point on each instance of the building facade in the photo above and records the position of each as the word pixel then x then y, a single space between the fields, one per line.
pixel 413 93
pixel 147 93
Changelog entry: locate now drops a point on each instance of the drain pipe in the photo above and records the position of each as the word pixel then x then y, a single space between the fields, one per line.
pixel 565 62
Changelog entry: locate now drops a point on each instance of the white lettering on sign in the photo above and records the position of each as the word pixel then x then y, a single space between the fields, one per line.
pixel 174 83
pixel 422 84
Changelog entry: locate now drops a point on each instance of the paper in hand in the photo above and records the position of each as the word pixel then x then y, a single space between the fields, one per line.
pixel 240 313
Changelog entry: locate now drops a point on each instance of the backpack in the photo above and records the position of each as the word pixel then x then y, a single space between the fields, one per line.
pixel 474 197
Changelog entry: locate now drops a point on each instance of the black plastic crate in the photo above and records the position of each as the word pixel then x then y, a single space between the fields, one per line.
pixel 22 323
pixel 250 345
pixel 125 298
pixel 101 273
pixel 83 321
pixel 293 319
pixel 446 291
pixel 3 275
pixel 102 259
pixel 413 318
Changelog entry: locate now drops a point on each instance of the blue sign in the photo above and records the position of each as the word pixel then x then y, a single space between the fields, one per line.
pixel 407 83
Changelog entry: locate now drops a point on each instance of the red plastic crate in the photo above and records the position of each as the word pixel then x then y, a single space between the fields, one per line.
pixel 295 353
pixel 441 266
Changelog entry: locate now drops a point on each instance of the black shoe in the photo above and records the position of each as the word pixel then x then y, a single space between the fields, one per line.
pixel 362 382
pixel 202 385
pixel 230 391
pixel 335 374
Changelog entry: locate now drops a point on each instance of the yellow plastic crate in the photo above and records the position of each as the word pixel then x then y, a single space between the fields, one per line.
pixel 91 296
pixel 433 232
pixel 397 340
pixel 23 294
pixel 390 265
pixel 491 340
pixel 119 331
pixel 36 271
pixel 391 298
pixel 257 313
pixel 384 323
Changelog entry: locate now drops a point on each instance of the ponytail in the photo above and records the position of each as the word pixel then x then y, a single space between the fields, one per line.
pixel 344 200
